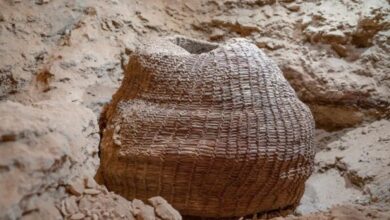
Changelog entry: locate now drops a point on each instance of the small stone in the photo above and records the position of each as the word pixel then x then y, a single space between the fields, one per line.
pixel 85 204
pixel 293 7
pixel 95 217
pixel 76 187
pixel 91 191
pixel 63 208
pixel 137 203
pixel 146 213
pixel 142 211
pixel 217 34
pixel 269 43
pixel 106 214
pixel 103 189
pixel 71 205
pixel 340 50
pixel 163 209
pixel 41 2
pixel 336 36
pixel 77 216
pixel 89 182
pixel 90 11
pixel 87 212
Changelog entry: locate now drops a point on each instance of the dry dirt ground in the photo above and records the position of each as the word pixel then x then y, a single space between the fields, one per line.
pixel 60 62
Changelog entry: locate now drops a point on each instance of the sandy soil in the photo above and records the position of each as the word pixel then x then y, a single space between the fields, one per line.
pixel 60 62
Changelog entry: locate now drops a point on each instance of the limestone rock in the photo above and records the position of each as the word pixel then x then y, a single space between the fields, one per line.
pixel 77 216
pixel 96 203
pixel 163 209
pixel 91 191
pixel 71 206
pixel 362 156
pixel 89 182
pixel 143 211
pixel 76 187
pixel 43 146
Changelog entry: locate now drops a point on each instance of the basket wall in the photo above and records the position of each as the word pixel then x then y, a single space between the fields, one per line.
pixel 216 130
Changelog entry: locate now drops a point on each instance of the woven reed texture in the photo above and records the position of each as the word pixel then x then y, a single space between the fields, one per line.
pixel 215 129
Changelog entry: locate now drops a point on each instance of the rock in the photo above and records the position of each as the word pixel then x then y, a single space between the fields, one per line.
pixel 341 50
pixel 242 28
pixel 356 212
pixel 71 206
pixel 354 165
pixel 164 210
pixel 105 205
pixel 92 191
pixel 318 189
pixel 363 158
pixel 90 11
pixel 322 35
pixel 76 187
pixel 216 35
pixel 77 216
pixel 86 204
pixel 293 7
pixel 50 145
pixel 142 211
pixel 339 118
pixel 269 43
pixel 8 83
pixel 137 204
pixel 95 217
pixel 335 36
pixel 146 213
pixel 41 2
pixel 90 182
pixel 44 209
pixel 367 28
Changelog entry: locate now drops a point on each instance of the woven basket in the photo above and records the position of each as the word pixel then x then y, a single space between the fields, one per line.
pixel 215 129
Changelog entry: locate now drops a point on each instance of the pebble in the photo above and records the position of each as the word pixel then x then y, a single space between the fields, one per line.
pixel 91 191
pixel 77 216
pixel 41 2
pixel 163 209
pixel 89 182
pixel 293 7
pixel 95 217
pixel 76 187
pixel 71 205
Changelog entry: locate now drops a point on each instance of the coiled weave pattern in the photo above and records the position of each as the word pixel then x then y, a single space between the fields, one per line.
pixel 215 129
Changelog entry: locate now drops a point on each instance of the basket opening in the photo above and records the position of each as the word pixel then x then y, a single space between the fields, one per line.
pixel 195 46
